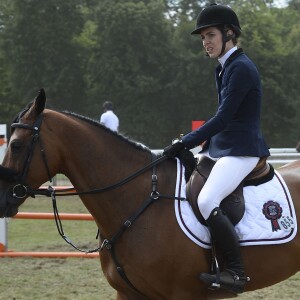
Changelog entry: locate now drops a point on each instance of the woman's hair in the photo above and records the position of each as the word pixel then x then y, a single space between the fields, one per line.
pixel 236 32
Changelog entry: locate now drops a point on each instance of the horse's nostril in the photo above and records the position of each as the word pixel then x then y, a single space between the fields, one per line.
pixel 7 174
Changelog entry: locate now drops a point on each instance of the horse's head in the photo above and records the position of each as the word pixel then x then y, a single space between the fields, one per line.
pixel 20 162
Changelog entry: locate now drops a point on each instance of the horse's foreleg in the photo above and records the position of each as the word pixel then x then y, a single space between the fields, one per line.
pixel 219 294
pixel 122 296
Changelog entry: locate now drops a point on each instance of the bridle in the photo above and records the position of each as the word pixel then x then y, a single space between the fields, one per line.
pixel 36 139
pixel 21 191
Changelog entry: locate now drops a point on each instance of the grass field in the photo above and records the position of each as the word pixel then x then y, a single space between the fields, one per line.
pixel 73 278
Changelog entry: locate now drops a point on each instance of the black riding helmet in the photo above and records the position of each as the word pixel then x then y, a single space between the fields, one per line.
pixel 219 16
pixel 214 15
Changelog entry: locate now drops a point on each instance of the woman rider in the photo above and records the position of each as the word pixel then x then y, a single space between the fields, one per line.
pixel 232 136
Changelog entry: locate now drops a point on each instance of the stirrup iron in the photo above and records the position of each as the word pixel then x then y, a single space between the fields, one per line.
pixel 215 268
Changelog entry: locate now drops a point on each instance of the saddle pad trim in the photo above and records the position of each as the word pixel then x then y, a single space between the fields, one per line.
pixel 180 192
pixel 201 235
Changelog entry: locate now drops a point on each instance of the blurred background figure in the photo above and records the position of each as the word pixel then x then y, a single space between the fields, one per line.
pixel 298 147
pixel 109 118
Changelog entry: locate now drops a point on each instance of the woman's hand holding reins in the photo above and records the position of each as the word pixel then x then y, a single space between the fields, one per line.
pixel 174 149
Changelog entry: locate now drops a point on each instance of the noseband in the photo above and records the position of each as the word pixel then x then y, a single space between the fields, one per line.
pixel 20 190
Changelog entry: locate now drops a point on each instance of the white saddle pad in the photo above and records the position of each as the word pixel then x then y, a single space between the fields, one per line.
pixel 269 214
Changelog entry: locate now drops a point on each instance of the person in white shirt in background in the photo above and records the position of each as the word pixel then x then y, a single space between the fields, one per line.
pixel 109 118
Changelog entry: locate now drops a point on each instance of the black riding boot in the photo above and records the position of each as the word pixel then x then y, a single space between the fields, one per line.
pixel 233 277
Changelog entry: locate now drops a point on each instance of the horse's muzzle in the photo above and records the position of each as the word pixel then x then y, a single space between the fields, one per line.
pixel 11 197
pixel 9 211
pixel 8 204
pixel 7 174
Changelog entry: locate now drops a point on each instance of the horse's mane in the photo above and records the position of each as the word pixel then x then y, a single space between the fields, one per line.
pixel 186 157
pixel 93 122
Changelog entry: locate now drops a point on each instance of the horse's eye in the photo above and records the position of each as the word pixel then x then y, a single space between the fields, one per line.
pixel 16 146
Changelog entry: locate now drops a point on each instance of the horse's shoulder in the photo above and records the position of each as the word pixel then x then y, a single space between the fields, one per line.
pixel 290 172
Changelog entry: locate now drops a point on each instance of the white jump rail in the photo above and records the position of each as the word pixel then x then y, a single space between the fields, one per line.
pixel 279 156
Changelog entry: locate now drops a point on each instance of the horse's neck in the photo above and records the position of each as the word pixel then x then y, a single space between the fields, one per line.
pixel 104 160
pixel 95 159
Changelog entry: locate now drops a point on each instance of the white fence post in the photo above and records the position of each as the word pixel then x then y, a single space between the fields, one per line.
pixel 3 221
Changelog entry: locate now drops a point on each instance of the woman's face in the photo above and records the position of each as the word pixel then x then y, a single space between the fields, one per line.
pixel 212 41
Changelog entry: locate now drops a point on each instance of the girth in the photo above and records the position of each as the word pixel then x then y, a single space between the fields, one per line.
pixel 234 204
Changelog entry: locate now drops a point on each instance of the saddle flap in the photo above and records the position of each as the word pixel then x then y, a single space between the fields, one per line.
pixel 205 165
pixel 193 188
pixel 233 205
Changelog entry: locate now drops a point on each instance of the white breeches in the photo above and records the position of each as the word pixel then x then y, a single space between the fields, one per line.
pixel 225 176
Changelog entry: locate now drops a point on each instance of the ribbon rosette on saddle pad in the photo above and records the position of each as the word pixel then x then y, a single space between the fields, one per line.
pixel 273 212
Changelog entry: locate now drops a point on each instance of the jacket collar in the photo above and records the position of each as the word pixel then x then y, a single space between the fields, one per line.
pixel 222 60
pixel 235 54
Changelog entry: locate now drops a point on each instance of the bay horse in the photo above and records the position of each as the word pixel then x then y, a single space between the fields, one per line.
pixel 152 258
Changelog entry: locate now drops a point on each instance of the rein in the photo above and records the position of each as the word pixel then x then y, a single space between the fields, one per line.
pixel 51 192
pixel 67 191
pixel 21 191
pixel 108 244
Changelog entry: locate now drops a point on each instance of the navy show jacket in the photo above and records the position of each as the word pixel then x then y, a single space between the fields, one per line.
pixel 235 128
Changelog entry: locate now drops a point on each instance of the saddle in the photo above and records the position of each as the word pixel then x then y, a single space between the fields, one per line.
pixel 234 204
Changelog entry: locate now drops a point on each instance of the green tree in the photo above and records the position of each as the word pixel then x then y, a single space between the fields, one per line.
pixel 6 107
pixel 294 4
pixel 141 56
pixel 195 97
pixel 263 38
pixel 39 37
pixel 290 19
pixel 267 32
pixel 131 66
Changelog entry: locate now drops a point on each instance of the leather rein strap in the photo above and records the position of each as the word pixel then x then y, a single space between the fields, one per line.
pixel 68 191
pixel 108 244
pixel 21 191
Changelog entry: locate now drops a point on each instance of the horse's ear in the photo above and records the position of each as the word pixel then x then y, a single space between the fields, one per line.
pixel 39 102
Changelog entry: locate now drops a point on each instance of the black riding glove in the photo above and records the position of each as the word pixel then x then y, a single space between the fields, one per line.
pixel 173 150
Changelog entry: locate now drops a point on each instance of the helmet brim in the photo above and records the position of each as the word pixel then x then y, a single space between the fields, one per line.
pixel 198 29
